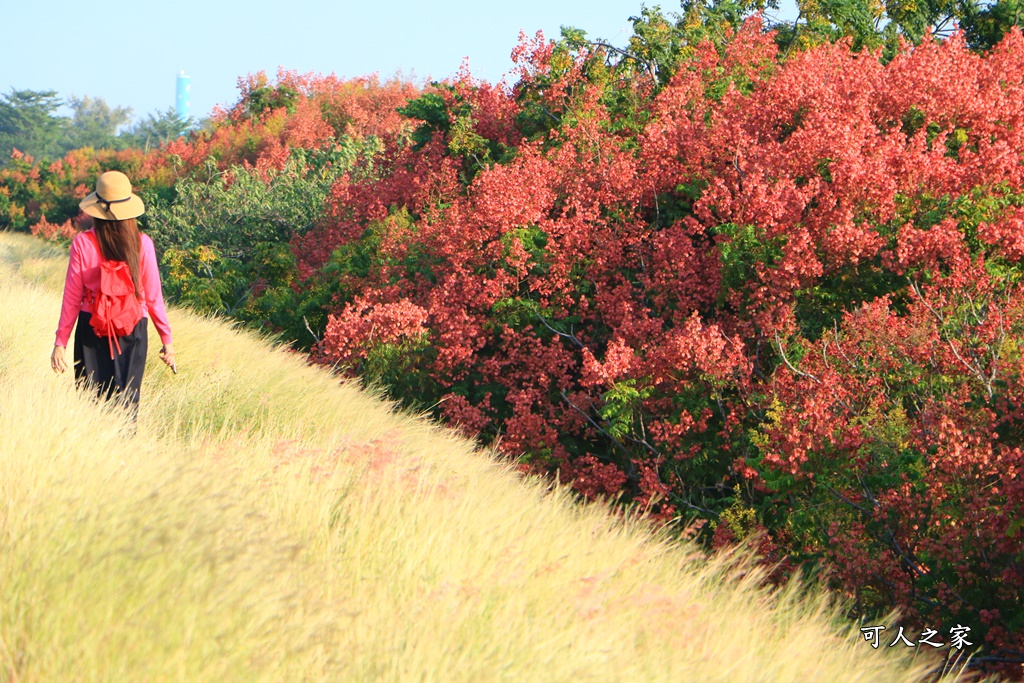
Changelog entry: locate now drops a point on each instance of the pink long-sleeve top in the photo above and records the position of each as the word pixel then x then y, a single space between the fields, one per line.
pixel 84 276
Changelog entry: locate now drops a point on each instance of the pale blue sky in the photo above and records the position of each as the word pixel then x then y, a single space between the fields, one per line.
pixel 130 53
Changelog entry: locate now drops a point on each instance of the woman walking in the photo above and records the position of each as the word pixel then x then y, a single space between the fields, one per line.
pixel 112 365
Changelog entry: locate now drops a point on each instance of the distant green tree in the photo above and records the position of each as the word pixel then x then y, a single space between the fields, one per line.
pixel 156 129
pixel 94 123
pixel 29 123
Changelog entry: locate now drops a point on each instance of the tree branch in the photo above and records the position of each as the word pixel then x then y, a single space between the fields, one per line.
pixel 651 69
pixel 975 369
pixel 594 424
pixel 570 337
pixel 789 365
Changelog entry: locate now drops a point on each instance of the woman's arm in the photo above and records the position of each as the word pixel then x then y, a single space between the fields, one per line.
pixel 153 291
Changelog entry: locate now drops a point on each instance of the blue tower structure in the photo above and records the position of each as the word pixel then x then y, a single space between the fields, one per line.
pixel 183 100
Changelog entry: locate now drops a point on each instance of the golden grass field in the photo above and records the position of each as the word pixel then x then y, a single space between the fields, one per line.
pixel 268 523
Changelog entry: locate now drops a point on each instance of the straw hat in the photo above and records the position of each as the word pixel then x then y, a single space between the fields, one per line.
pixel 113 199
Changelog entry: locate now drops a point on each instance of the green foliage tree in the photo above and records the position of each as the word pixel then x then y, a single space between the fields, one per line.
pixel 29 123
pixel 94 123
pixel 986 24
pixel 874 23
pixel 225 236
pixel 663 41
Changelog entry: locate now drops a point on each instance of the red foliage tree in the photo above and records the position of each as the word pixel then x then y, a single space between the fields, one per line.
pixel 796 276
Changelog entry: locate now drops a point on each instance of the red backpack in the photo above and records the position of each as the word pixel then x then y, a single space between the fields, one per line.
pixel 115 310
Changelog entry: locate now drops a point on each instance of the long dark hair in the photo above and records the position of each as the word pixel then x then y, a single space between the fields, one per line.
pixel 120 241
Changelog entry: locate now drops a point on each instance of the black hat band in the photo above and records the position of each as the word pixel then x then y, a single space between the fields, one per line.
pixel 108 202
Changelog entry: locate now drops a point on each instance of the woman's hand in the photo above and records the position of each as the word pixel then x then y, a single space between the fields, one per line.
pixel 57 360
pixel 167 356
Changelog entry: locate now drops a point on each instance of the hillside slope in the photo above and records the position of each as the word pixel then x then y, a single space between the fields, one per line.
pixel 269 523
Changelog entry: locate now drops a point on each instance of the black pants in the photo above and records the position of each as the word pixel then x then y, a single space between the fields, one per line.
pixel 118 378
